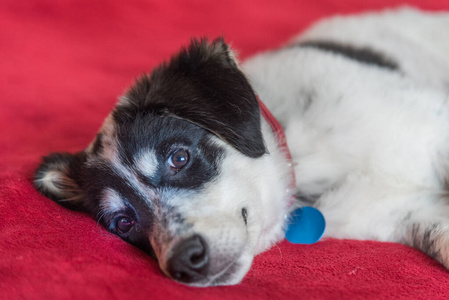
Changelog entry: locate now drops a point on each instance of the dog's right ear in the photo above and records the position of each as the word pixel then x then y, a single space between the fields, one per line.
pixel 56 178
pixel 202 85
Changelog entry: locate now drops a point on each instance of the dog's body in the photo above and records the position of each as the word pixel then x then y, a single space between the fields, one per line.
pixel 186 169
pixel 370 141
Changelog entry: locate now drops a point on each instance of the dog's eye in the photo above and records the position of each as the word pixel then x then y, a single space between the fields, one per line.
pixel 178 159
pixel 124 224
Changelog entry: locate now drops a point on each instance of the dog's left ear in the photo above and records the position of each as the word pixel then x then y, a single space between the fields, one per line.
pixel 203 85
pixel 57 178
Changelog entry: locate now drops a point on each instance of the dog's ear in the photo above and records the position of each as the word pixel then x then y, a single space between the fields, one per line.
pixel 56 178
pixel 203 85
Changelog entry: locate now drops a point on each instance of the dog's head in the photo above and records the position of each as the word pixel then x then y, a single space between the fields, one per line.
pixel 181 170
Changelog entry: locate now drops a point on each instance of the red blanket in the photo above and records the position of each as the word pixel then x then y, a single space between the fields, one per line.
pixel 62 65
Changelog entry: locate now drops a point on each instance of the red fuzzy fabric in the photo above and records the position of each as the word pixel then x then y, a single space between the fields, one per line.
pixel 62 65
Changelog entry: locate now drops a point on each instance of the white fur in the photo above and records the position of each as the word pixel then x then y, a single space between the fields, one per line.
pixel 372 144
pixel 56 182
pixel 50 179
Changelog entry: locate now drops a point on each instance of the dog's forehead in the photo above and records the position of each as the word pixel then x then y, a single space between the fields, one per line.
pixel 132 158
pixel 148 133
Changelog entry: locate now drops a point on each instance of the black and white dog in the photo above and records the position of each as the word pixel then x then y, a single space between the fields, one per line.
pixel 186 168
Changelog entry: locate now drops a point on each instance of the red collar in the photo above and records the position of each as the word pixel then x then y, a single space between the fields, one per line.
pixel 281 139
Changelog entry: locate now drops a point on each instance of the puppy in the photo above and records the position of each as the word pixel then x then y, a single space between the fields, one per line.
pixel 187 169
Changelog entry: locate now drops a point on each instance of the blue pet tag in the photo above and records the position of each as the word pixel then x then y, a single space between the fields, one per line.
pixel 305 226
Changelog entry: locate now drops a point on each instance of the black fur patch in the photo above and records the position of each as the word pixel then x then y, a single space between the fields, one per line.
pixel 98 144
pixel 202 85
pixel 163 135
pixel 425 238
pixel 306 198
pixel 364 55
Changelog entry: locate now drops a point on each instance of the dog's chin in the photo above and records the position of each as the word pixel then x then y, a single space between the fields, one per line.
pixel 234 273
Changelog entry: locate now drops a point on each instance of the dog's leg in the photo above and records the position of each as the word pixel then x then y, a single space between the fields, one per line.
pixel 431 236
pixel 366 208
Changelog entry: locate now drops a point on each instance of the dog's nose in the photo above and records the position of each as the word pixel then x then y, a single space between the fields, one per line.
pixel 189 260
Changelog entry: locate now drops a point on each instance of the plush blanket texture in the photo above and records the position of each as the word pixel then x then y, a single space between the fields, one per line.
pixel 62 65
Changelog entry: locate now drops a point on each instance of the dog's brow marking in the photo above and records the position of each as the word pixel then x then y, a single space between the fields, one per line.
pixel 129 177
pixel 110 153
pixel 146 163
pixel 112 201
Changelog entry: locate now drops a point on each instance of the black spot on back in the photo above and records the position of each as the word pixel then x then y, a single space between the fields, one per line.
pixel 306 198
pixel 364 55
